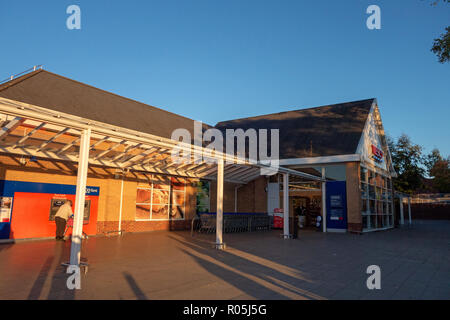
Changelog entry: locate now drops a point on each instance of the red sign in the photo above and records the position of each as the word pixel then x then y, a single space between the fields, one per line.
pixel 377 154
pixel 277 222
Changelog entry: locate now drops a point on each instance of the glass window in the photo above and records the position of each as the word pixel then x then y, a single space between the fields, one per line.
pixel 363 174
pixel 363 187
pixel 377 211
pixel 162 198
pixel 371 192
pixel 364 206
pixel 372 206
pixel 365 222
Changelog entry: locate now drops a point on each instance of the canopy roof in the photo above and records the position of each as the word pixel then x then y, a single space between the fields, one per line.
pixel 34 131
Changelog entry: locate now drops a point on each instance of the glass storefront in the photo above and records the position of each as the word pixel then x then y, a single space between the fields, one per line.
pixel 161 198
pixel 376 200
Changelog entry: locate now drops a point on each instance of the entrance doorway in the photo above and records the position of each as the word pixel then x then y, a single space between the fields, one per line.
pixel 307 209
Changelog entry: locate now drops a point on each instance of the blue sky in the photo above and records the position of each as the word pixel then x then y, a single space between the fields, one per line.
pixel 214 60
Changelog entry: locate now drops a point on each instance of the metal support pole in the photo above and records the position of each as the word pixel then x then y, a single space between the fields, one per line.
pixel 121 205
pixel 286 234
pixel 219 214
pixel 409 210
pixel 324 201
pixel 402 219
pixel 77 232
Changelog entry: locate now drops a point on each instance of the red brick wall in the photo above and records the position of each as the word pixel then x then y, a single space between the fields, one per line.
pixel 142 226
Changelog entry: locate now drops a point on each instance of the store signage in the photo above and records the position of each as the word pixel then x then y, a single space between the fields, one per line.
pixel 377 154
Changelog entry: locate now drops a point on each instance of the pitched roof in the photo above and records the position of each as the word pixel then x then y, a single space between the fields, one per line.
pixel 314 132
pixel 55 92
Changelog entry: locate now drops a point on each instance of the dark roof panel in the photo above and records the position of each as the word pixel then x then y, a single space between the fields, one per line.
pixel 314 132
pixel 52 91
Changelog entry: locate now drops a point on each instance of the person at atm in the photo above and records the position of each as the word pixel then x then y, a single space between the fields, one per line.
pixel 61 217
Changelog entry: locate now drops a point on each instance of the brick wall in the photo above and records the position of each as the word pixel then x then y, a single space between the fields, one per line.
pixel 354 217
pixel 142 226
pixel 251 197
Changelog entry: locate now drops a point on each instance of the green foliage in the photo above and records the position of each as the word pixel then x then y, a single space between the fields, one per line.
pixel 441 46
pixel 408 162
pixel 431 159
pixel 412 165
pixel 439 170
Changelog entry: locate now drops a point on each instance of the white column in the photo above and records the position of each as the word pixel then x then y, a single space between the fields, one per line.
pixel 121 205
pixel 219 212
pixel 286 206
pixel 402 219
pixel 409 210
pixel 77 231
pixel 324 201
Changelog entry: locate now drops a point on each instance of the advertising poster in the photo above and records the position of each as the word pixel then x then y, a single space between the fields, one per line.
pixel 5 209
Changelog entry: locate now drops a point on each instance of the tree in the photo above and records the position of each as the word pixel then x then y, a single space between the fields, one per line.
pixel 431 159
pixel 441 46
pixel 408 161
pixel 439 171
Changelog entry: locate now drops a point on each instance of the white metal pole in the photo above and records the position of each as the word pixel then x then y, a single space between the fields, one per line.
pixel 324 201
pixel 219 213
pixel 235 198
pixel 77 232
pixel 120 209
pixel 402 219
pixel 286 206
pixel 409 210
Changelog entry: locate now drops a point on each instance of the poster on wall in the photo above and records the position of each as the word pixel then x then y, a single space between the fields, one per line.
pixel 202 197
pixel 336 206
pixel 5 209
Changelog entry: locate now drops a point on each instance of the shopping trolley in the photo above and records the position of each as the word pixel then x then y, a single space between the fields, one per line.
pixel 69 225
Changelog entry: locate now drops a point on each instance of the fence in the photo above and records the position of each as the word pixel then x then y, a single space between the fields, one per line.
pixel 432 211
pixel 233 222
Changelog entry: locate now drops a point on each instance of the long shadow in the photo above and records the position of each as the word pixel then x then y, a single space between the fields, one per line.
pixel 244 284
pixel 6 246
pixel 253 278
pixel 38 285
pixel 140 295
pixel 58 288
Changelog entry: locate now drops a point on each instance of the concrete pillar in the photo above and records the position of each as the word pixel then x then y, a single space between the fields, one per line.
pixel 286 206
pixel 409 210
pixel 402 218
pixel 219 211
pixel 77 232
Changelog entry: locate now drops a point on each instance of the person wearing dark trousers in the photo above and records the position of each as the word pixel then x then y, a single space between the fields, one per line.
pixel 63 213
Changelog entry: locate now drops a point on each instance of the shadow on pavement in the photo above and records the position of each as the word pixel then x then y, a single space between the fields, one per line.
pixel 140 295
pixel 251 277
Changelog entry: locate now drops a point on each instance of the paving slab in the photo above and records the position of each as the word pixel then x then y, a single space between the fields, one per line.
pixel 414 263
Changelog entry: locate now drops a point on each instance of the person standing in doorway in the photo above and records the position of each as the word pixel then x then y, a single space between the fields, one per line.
pixel 61 217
